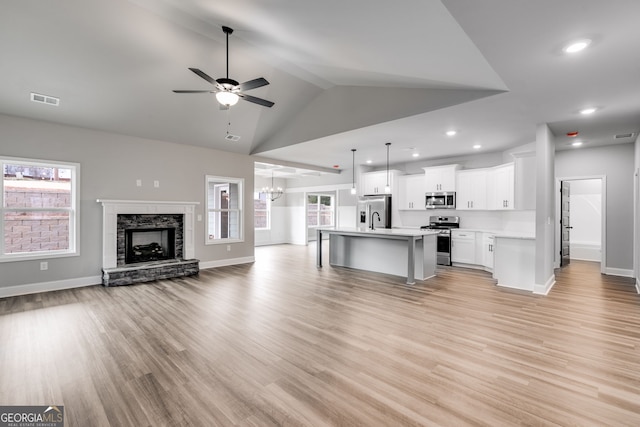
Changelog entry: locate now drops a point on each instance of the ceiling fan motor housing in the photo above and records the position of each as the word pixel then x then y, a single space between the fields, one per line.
pixel 227 83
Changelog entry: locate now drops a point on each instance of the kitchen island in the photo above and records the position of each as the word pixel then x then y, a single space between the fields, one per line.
pixel 409 253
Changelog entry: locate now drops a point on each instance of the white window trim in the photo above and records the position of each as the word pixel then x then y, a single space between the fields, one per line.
pixel 268 227
pixel 74 212
pixel 333 210
pixel 240 210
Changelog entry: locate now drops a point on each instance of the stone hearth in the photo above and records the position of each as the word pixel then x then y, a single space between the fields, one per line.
pixel 122 215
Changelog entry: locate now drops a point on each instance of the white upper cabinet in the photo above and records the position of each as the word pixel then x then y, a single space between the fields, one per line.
pixel 411 192
pixel 501 184
pixel 375 182
pixel 440 178
pixel 471 189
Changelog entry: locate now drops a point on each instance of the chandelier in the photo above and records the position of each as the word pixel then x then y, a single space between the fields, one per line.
pixel 272 193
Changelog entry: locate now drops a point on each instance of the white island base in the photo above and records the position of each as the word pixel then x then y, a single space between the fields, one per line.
pixel 514 262
pixel 406 253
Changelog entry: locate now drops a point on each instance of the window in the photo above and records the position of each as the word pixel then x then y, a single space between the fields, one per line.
pixel 224 209
pixel 38 209
pixel 261 211
pixel 320 210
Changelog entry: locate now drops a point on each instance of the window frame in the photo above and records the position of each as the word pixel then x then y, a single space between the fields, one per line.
pixel 267 210
pixel 240 210
pixel 73 210
pixel 333 209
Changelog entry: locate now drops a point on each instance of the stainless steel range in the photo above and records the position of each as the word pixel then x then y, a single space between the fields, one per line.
pixel 443 224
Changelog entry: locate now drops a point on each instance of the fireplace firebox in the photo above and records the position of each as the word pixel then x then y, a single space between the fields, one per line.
pixel 152 244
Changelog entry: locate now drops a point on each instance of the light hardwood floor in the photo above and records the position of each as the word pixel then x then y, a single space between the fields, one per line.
pixel 279 342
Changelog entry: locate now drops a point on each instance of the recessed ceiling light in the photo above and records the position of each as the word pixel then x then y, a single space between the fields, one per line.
pixel 588 111
pixel 369 162
pixel 576 143
pixel 415 155
pixel 577 46
pixel 451 132
pixel 477 146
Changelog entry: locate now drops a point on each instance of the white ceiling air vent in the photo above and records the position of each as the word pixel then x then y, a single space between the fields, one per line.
pixel 45 99
pixel 625 135
pixel 233 138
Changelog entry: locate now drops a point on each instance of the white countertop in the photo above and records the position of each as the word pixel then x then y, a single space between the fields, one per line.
pixel 408 232
pixel 503 233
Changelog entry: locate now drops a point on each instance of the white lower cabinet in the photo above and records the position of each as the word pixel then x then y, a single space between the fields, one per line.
pixel 474 249
pixel 463 247
pixel 488 242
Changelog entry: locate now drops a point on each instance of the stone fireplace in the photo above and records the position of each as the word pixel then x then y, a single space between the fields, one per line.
pixel 144 241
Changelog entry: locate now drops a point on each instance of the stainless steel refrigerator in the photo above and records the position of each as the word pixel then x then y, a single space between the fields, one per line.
pixel 376 208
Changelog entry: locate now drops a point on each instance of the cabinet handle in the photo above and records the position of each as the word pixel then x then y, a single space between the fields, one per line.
pixel 472 203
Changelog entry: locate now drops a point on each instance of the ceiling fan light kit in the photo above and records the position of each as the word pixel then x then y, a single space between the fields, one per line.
pixel 227 99
pixel 228 91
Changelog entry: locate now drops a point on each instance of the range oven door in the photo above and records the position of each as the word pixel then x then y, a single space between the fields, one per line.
pixel 443 251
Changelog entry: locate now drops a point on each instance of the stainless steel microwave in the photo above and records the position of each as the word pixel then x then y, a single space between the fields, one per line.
pixel 441 200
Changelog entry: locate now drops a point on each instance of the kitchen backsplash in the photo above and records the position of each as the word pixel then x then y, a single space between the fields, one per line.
pixel 520 221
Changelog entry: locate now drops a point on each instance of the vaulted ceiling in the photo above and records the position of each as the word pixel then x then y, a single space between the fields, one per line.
pixel 342 74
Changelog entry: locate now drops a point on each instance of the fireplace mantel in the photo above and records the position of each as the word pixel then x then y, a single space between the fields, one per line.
pixel 112 208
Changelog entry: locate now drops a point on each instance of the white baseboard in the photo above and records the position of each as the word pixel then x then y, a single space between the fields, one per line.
pixel 618 272
pixel 546 288
pixel 637 285
pixel 586 252
pixel 57 285
pixel 270 243
pixel 225 262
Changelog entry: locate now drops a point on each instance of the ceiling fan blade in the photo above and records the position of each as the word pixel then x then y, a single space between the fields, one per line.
pixel 252 84
pixel 194 91
pixel 204 76
pixel 255 100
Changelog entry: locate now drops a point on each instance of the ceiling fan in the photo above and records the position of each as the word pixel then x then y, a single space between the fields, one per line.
pixel 229 91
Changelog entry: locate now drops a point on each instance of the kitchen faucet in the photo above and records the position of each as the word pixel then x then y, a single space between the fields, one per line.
pixel 374 213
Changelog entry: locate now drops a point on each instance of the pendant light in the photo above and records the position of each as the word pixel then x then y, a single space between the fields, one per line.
pixel 272 193
pixel 353 171
pixel 387 189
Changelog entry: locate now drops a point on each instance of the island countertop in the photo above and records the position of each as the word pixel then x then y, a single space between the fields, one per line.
pixel 380 232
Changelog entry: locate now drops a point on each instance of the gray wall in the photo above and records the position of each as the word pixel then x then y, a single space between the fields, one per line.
pixel 617 163
pixel 545 206
pixel 110 165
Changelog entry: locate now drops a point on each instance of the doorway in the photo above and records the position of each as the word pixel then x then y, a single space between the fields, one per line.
pixel 581 209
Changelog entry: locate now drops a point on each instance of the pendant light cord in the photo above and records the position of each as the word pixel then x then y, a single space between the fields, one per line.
pixel 353 167
pixel 387 144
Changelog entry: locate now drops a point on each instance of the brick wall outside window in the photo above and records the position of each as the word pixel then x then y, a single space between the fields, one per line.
pixel 36 231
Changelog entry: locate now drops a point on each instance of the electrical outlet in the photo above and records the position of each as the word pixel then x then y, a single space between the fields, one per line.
pixel 138 182
pixel 228 248
pixel 199 217
pixel 156 184
pixel 44 265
